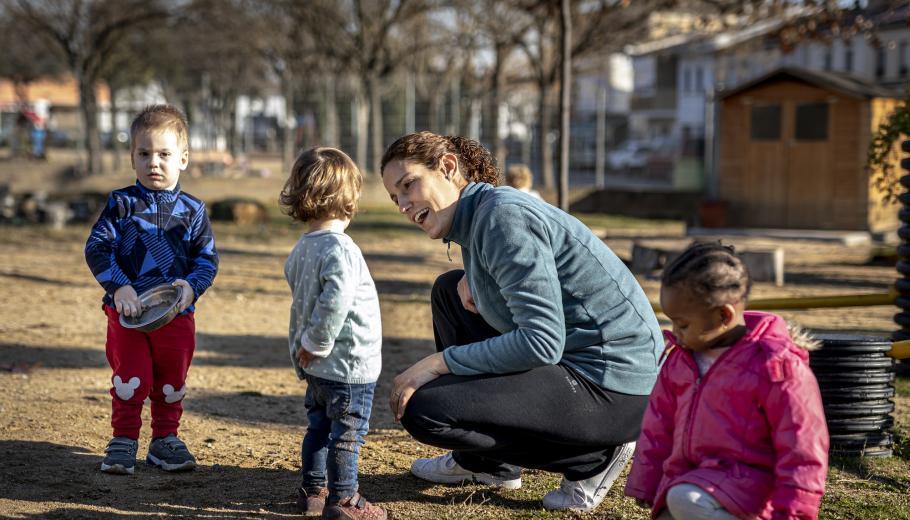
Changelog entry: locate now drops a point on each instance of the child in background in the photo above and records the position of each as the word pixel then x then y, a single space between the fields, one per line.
pixel 335 334
pixel 148 234
pixel 519 176
pixel 734 426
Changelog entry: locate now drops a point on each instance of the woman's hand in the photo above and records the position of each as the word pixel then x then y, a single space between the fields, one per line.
pixel 407 382
pixel 464 294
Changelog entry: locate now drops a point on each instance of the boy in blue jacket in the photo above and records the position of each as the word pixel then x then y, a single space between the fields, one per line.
pixel 148 234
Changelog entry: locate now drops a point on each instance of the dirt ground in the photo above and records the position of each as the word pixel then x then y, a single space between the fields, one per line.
pixel 244 415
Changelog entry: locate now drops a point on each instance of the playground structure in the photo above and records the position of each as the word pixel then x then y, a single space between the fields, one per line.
pixel 900 349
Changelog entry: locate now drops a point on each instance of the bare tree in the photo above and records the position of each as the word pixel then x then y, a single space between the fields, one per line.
pixel 298 64
pixel 370 39
pixel 23 59
pixel 123 71
pixel 440 65
pixel 87 32
pixel 214 58
pixel 499 26
pixel 280 46
pixel 598 26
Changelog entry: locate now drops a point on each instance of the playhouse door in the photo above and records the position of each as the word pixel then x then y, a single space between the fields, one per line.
pixel 810 199
pixel 763 190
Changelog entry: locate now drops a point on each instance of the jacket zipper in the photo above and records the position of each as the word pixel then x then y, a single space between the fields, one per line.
pixel 158 214
pixel 698 386
pixel 691 419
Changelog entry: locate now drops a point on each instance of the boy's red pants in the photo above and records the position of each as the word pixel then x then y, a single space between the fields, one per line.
pixel 149 364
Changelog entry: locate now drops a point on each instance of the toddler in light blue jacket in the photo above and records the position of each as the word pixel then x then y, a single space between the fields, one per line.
pixel 335 333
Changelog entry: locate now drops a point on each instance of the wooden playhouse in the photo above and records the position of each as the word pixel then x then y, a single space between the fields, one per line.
pixel 792 151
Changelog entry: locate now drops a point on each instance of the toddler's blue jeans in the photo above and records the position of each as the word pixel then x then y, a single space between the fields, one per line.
pixel 339 415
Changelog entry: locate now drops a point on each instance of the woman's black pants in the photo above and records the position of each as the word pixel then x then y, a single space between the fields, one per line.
pixel 549 418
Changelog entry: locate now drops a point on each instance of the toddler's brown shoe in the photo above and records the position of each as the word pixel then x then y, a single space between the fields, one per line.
pixel 353 508
pixel 311 504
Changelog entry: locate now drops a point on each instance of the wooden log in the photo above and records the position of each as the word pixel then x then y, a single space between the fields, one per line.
pixel 240 211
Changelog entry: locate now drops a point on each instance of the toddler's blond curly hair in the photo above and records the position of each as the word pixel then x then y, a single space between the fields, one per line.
pixel 324 183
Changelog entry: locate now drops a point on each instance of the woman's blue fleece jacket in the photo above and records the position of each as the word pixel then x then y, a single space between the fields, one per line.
pixel 554 290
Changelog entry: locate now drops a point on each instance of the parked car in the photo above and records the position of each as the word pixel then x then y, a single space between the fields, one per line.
pixel 630 155
pixel 60 138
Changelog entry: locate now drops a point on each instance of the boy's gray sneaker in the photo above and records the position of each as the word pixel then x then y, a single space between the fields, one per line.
pixel 170 454
pixel 120 456
pixel 587 494
pixel 444 470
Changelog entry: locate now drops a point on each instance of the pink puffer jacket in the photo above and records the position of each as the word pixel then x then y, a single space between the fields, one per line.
pixel 751 431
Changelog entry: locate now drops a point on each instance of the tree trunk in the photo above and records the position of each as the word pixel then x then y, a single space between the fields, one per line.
pixel 362 118
pixel 437 100
pixel 600 139
pixel 565 104
pixel 376 125
pixel 410 104
pixel 88 108
pixel 115 148
pixel 544 114
pixel 499 147
pixel 289 144
pixel 330 125
pixel 456 119
pixel 232 126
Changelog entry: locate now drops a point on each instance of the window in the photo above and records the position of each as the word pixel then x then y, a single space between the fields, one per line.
pixel 902 59
pixel 765 123
pixel 827 64
pixel 811 122
pixel 880 62
pixel 848 58
pixel 699 80
pixel 687 79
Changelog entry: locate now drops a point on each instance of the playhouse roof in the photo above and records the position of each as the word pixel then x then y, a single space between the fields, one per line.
pixel 835 81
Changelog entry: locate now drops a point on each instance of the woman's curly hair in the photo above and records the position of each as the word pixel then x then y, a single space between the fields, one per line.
pixel 324 183
pixel 426 148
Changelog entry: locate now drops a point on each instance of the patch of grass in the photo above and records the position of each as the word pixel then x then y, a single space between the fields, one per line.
pixel 867 488
pixel 258 234
pixel 610 222
pixel 371 221
pixel 902 385
pixel 382 221
pixel 22 233
pixel 873 487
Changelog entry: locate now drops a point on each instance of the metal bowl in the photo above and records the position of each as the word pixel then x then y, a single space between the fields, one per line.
pixel 159 307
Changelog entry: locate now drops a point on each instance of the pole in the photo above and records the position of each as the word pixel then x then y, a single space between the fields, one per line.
pixel 565 87
pixel 818 302
pixel 410 100
pixel 600 137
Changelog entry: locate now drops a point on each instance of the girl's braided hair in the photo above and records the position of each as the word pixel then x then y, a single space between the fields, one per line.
pixel 427 148
pixel 712 271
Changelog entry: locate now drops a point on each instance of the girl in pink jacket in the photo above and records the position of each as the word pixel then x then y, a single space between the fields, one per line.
pixel 734 426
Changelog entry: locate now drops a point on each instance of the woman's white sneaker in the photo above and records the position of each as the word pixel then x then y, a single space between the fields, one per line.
pixel 586 495
pixel 444 470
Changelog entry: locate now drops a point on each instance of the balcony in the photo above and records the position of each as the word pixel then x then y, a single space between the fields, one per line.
pixel 653 99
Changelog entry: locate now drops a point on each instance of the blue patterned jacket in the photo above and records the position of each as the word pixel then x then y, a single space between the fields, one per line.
pixel 146 237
